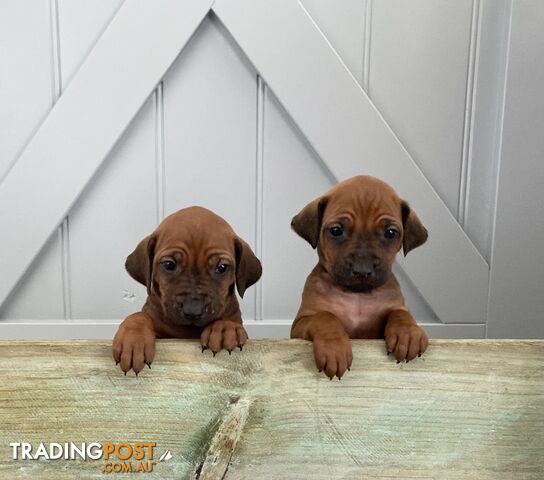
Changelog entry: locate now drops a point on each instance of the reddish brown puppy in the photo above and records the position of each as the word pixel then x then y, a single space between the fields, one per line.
pixel 357 227
pixel 190 265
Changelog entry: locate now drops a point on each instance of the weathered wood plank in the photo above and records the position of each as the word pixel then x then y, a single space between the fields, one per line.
pixel 466 409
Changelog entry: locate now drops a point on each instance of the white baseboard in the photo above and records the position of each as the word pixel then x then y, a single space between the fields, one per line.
pixel 105 329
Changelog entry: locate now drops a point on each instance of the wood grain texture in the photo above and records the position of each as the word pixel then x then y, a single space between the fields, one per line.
pixel 465 410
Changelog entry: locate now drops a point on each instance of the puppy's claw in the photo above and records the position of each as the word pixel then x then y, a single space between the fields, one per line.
pixel 319 371
pixel 203 347
pixel 240 347
pixel 148 364
pixel 125 374
pixel 388 353
pixel 398 361
pixel 419 354
pixel 230 351
pixel 214 354
pixel 136 373
pixel 117 362
pixel 349 369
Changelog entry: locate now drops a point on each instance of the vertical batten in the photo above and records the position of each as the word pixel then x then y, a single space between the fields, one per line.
pixel 158 96
pixel 514 306
pixel 466 157
pixel 491 295
pixel 487 101
pixel 56 79
pixel 367 35
pixel 64 233
pixel 500 134
pixel 56 91
pixel 259 192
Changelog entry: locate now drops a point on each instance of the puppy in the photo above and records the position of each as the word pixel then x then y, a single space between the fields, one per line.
pixel 190 265
pixel 357 227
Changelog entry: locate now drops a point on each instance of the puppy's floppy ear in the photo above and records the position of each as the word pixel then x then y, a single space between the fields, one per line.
pixel 307 223
pixel 415 234
pixel 139 263
pixel 248 266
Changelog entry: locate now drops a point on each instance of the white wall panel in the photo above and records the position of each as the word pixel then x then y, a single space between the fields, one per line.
pixel 293 176
pixel 343 23
pixel 96 219
pixel 517 286
pixel 114 213
pixel 210 133
pixel 25 79
pixel 213 135
pixel 488 99
pixel 39 293
pixel 80 25
pixel 418 76
pixel 26 96
pixel 417 304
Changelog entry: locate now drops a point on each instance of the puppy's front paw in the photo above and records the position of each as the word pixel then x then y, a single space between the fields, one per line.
pixel 134 345
pixel 405 340
pixel 333 355
pixel 223 334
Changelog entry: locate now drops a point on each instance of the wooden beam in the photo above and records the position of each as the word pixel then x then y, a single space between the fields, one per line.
pixel 352 138
pixel 120 72
pixel 465 409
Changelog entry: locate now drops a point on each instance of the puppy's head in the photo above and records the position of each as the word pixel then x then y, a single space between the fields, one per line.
pixel 191 264
pixel 358 227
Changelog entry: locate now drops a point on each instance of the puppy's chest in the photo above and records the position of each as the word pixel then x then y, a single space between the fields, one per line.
pixel 363 315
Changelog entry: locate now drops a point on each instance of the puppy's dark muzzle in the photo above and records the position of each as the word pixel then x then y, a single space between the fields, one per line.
pixel 361 273
pixel 364 269
pixel 193 308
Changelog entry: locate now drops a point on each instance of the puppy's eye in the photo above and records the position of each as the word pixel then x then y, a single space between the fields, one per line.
pixel 336 230
pixel 390 233
pixel 169 265
pixel 222 268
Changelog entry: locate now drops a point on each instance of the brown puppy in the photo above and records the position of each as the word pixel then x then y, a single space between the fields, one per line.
pixel 190 265
pixel 358 227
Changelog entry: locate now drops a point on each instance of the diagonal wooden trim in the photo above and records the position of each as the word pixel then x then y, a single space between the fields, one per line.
pixel 351 137
pixel 120 72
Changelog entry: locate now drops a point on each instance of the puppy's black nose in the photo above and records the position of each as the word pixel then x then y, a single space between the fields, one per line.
pixel 363 268
pixel 193 307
